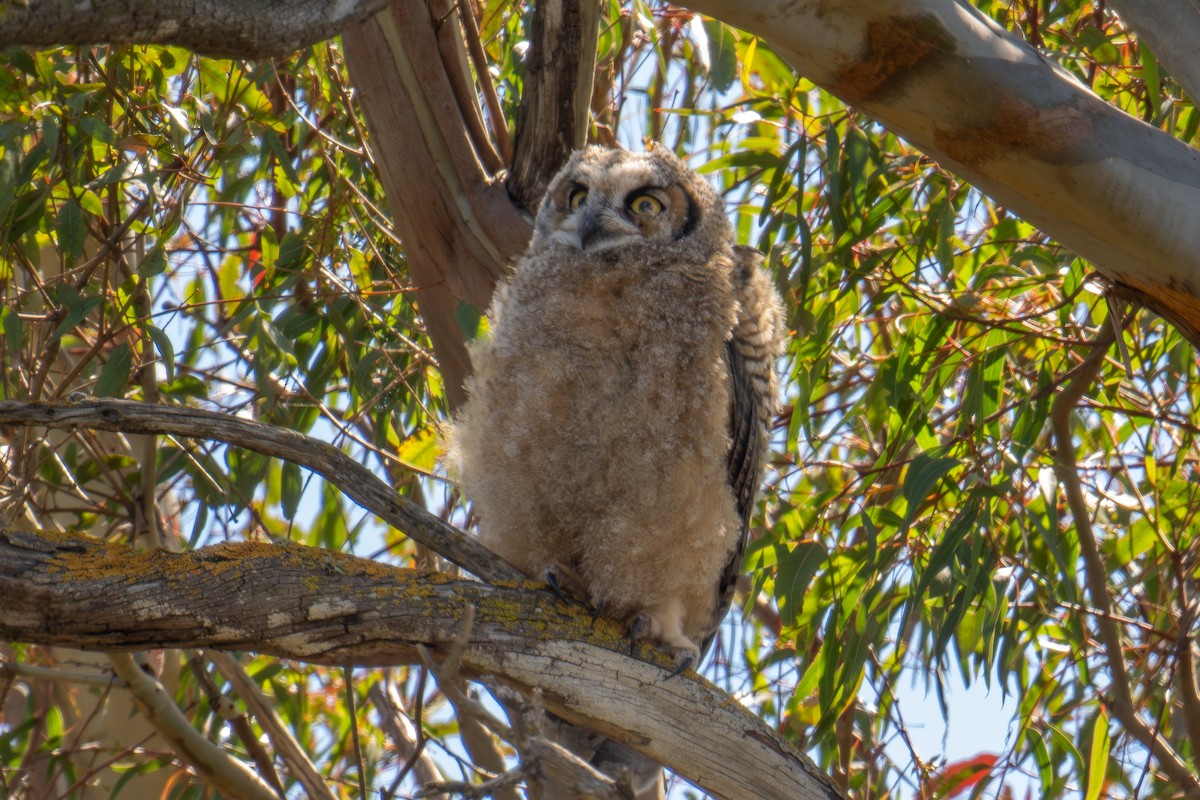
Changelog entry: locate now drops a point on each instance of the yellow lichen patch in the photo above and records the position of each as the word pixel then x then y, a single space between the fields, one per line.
pixel 88 559
pixel 894 49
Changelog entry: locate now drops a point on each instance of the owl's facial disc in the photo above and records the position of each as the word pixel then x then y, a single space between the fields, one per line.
pixel 603 223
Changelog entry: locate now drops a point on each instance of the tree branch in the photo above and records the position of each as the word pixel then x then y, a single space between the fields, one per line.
pixel 1096 575
pixel 215 766
pixel 351 477
pixel 330 608
pixel 277 731
pixel 235 28
pixel 994 110
pixel 459 227
pixel 1171 28
pixel 556 96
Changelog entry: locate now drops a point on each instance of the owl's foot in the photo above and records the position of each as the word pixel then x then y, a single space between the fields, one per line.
pixel 646 625
pixel 566 583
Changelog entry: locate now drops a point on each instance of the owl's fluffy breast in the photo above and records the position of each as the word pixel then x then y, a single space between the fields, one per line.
pixel 598 428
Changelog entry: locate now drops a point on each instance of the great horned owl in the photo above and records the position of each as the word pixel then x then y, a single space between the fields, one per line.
pixel 616 425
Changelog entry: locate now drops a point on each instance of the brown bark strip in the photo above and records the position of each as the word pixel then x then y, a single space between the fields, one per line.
pixel 352 478
pixel 552 119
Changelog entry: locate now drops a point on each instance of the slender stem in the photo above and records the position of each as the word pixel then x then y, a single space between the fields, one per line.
pixel 355 480
pixel 1096 575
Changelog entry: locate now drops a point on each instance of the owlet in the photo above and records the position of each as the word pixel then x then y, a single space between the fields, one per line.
pixel 614 436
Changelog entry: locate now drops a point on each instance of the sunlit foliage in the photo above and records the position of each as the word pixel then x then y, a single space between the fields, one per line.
pixel 184 230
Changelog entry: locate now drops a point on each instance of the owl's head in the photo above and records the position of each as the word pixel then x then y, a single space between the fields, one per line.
pixel 606 200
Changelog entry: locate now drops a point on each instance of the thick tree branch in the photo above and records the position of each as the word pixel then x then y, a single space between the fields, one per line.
pixel 1120 694
pixel 1171 28
pixel 329 608
pixel 458 226
pixel 994 110
pixel 351 477
pixel 238 28
pixel 556 97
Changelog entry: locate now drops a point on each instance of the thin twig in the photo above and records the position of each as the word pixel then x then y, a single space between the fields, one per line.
pixel 352 478
pixel 285 744
pixel 352 709
pixel 1096 575
pixel 407 735
pixel 226 709
pixel 229 776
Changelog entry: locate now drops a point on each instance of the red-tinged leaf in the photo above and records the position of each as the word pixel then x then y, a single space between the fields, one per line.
pixel 959 776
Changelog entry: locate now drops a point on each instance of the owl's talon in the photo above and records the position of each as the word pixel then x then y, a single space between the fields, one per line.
pixel 597 610
pixel 552 582
pixel 684 660
pixel 639 628
pixel 645 625
pixel 566 584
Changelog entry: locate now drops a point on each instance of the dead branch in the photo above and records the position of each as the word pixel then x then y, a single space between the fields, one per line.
pixel 334 609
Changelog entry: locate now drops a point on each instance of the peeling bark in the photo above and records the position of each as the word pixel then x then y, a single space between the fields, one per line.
pixel 552 120
pixel 330 608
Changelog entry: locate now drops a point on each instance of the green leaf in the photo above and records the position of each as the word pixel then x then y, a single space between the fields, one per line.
pixel 419 450
pixel 923 473
pixel 154 263
pixel 115 373
pixel 186 386
pixel 470 320
pixel 794 575
pixel 291 486
pixel 13 331
pixel 70 228
pixel 722 55
pixel 247 470
pixel 166 350
pixel 1098 757
pixel 962 524
pixel 75 306
pixel 97 129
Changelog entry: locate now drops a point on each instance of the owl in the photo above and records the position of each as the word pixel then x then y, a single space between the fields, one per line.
pixel 616 423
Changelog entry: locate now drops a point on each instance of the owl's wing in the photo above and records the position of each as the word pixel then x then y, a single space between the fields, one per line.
pixel 745 466
pixel 750 354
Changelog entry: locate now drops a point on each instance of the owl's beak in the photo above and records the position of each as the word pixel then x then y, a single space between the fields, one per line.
pixel 600 229
pixel 590 229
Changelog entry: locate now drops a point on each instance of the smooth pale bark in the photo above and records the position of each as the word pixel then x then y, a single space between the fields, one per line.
pixel 1171 28
pixel 991 108
pixel 329 608
pixel 236 28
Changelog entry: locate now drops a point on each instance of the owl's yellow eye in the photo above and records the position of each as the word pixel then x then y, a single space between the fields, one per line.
pixel 646 205
pixel 576 198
